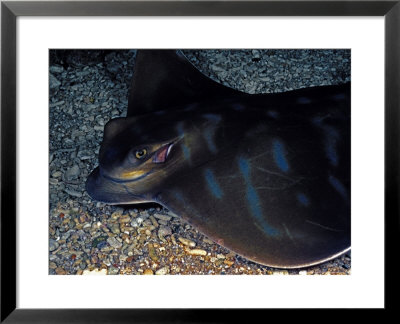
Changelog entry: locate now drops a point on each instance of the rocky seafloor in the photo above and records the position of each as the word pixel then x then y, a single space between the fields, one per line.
pixel 90 87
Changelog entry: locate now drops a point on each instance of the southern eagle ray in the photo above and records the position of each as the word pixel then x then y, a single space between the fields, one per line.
pixel 265 175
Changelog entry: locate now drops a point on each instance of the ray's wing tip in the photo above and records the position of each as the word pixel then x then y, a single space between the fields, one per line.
pixel 309 263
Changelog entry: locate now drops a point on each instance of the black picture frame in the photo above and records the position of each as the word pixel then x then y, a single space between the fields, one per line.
pixel 10 10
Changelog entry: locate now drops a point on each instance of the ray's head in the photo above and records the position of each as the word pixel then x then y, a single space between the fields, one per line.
pixel 135 157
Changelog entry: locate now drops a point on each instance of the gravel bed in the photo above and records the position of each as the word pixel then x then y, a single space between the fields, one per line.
pixel 87 89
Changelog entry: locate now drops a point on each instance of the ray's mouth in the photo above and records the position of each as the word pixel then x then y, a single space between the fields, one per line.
pixel 160 156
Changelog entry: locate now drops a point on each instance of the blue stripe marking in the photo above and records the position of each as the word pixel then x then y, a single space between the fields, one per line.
pixel 244 168
pixel 213 184
pixel 209 136
pixel 186 151
pixel 339 187
pixel 253 199
pixel 254 202
pixel 303 199
pixel 331 139
pixel 184 147
pixel 280 155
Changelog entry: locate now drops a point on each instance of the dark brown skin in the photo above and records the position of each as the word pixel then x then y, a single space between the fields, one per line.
pixel 267 176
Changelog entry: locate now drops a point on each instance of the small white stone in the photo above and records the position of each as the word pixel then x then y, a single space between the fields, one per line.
pixel 95 272
pixel 162 271
pixel 197 252
pixel 186 241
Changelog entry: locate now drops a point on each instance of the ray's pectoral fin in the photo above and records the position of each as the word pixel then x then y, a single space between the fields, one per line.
pixel 156 82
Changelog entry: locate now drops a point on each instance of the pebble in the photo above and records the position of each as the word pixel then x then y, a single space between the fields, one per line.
pixel 53 82
pixel 55 104
pixel 173 239
pixel 53 181
pixel 52 265
pixel 114 242
pixel 56 174
pixel 56 69
pixel 60 271
pixel 94 272
pixel 164 231
pixel 186 241
pixel 152 252
pixel 228 262
pixel 162 217
pixel 73 192
pixel 154 221
pixel 53 245
pixel 148 272
pixel 117 213
pixel 72 173
pixel 162 271
pixel 112 271
pixel 125 219
pixel 115 228
pixel 196 252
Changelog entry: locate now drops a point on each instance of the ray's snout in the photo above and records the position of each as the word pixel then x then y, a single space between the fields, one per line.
pixel 94 186
pixel 103 189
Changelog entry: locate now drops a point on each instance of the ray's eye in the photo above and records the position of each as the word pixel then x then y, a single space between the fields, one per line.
pixel 140 154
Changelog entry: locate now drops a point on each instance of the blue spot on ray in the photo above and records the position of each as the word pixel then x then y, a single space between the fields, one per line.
pixel 244 168
pixel 213 184
pixel 280 155
pixel 339 187
pixel 186 151
pixel 303 199
pixel 253 199
pixel 331 139
pixel 185 148
pixel 209 136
